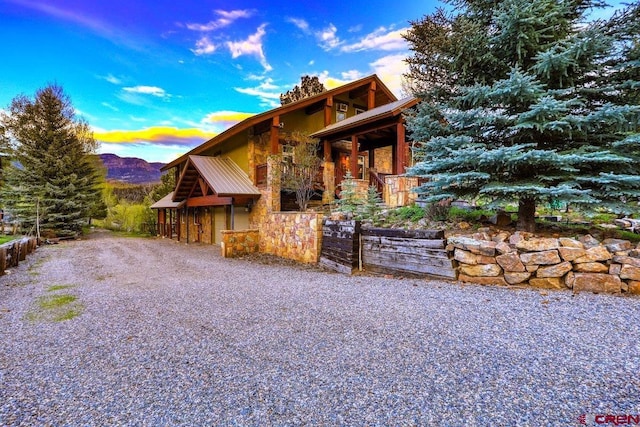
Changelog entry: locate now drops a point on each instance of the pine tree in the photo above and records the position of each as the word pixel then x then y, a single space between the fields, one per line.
pixel 536 105
pixel 52 172
pixel 309 86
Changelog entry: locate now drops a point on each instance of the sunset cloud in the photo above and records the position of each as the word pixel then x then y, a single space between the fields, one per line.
pixel 161 135
pixel 225 119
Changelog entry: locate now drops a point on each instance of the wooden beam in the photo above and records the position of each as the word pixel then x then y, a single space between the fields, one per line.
pixel 401 149
pixel 371 98
pixel 275 135
pixel 327 151
pixel 353 160
pixel 328 111
pixel 208 201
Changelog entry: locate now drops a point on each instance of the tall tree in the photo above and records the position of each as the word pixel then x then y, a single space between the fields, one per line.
pixel 309 86
pixel 526 101
pixel 300 169
pixel 52 171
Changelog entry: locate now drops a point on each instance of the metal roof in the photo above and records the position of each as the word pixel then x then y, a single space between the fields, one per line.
pixel 223 175
pixel 387 110
pixel 166 203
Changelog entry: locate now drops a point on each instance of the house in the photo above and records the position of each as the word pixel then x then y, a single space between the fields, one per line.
pixel 230 182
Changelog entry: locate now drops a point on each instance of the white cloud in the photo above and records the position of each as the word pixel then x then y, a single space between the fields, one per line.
pixel 267 92
pixel 301 24
pixel 147 90
pixel 328 38
pixel 225 19
pixel 112 79
pixel 204 46
pixel 109 106
pixel 380 39
pixel 390 69
pixel 251 46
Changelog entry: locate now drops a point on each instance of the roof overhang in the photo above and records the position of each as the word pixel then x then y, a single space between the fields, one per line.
pixel 213 181
pixel 353 90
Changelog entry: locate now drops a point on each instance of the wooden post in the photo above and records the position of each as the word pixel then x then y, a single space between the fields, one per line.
pixel 371 98
pixel 353 161
pixel 328 110
pixel 327 151
pixel 275 135
pixel 400 150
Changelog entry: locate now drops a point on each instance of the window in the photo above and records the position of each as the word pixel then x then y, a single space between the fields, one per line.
pixel 359 110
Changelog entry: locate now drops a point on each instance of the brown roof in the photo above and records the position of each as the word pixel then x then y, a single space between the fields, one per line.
pixel 166 203
pixel 381 90
pixel 221 174
pixel 388 110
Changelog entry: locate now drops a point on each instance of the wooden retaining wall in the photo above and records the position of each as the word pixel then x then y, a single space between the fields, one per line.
pixel 15 251
pixel 341 245
pixel 406 252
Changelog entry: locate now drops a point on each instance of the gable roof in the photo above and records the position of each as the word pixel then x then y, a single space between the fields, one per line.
pixel 384 111
pixel 166 203
pixel 221 174
pixel 381 90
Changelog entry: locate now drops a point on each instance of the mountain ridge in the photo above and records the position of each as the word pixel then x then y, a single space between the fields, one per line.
pixel 131 170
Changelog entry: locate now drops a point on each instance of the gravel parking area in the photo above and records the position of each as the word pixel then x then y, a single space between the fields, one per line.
pixel 169 334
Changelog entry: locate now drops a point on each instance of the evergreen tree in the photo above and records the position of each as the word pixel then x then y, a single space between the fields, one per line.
pixel 309 86
pixel 536 104
pixel 52 171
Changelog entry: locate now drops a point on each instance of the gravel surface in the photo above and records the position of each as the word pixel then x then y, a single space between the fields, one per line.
pixel 170 334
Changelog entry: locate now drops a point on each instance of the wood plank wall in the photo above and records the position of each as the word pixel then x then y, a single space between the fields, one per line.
pixel 341 245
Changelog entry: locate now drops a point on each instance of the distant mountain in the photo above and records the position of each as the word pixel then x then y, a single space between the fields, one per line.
pixel 130 169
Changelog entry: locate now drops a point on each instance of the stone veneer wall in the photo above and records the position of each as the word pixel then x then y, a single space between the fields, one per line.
pixel 581 264
pixel 292 235
pixel 397 190
pixel 237 243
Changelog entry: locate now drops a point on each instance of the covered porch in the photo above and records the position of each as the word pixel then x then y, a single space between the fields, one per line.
pixel 373 147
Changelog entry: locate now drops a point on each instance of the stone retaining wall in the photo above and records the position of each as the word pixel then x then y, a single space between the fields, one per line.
pixel 581 264
pixel 292 235
pixel 237 243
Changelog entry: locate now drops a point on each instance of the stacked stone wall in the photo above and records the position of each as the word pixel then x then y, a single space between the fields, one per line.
pixel 581 264
pixel 236 243
pixel 292 235
pixel 397 190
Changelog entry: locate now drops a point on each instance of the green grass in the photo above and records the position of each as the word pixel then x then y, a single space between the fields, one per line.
pixel 5 239
pixel 58 287
pixel 55 307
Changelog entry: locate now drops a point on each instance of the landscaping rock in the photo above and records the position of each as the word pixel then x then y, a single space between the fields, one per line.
pixel 538 244
pixel 627 260
pixel 629 271
pixel 596 282
pixel 547 282
pixel 541 258
pixel 557 270
pixel 591 267
pixel 514 278
pixel 495 280
pixel 570 253
pixel 504 248
pixel 570 243
pixel 589 241
pixel 595 253
pixel 481 270
pixel 615 269
pixel 633 287
pixel 465 257
pixel 617 245
pixel 510 262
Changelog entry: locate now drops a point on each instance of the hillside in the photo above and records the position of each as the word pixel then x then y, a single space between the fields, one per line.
pixel 130 169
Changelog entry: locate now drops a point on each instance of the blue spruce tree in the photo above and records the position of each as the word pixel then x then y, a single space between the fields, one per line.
pixel 527 102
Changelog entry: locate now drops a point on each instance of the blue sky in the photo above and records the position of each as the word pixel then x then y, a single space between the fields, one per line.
pixel 155 78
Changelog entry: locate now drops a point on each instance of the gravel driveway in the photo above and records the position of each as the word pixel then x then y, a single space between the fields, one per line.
pixel 170 334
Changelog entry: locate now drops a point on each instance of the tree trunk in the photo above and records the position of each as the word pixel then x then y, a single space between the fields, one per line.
pixel 527 214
